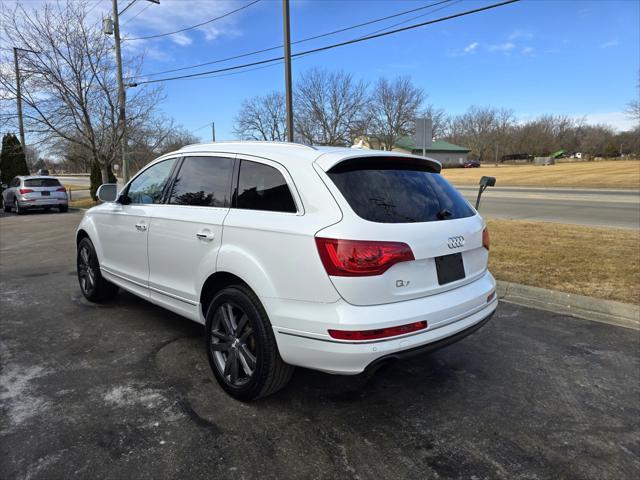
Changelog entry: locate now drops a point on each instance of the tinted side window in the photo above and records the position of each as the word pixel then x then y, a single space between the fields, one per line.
pixel 149 185
pixel 261 187
pixel 203 181
pixel 15 182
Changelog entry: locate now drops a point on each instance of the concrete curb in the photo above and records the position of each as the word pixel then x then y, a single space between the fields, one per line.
pixel 605 311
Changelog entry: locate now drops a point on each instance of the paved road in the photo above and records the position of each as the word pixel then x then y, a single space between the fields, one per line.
pixel 124 391
pixel 614 208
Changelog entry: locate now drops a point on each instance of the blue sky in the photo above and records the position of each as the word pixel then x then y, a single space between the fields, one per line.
pixel 579 58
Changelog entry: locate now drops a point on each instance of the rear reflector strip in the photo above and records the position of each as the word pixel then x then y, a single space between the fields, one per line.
pixel 378 333
pixel 491 296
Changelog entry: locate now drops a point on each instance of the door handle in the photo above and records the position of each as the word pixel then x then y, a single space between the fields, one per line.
pixel 141 227
pixel 205 235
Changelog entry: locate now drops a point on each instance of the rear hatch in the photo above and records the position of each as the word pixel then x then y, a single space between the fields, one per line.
pixel 43 189
pixel 406 232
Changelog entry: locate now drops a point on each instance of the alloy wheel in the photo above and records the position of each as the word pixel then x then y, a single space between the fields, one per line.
pixel 233 344
pixel 86 272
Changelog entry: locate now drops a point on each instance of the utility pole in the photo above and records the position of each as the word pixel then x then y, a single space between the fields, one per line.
pixel 122 116
pixel 213 131
pixel 287 69
pixel 19 97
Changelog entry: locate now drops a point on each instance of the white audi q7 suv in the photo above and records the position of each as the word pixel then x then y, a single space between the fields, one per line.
pixel 327 258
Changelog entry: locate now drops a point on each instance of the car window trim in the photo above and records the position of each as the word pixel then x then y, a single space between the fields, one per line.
pixel 172 178
pixel 297 201
pixel 125 190
pixel 176 172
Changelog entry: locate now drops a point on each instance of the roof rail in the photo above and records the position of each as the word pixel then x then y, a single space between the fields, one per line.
pixel 244 142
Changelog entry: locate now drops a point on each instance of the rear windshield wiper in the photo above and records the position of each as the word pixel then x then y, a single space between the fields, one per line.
pixel 444 214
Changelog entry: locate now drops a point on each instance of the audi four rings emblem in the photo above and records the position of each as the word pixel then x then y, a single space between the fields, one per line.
pixel 455 242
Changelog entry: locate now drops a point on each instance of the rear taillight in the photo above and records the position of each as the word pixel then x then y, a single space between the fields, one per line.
pixel 61 189
pixel 25 190
pixel 358 258
pixel 377 333
pixel 485 238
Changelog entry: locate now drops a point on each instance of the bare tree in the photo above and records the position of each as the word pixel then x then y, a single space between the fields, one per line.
pixel 485 130
pixel 158 137
pixel 330 108
pixel 633 110
pixel 262 118
pixel 439 120
pixel 394 105
pixel 69 90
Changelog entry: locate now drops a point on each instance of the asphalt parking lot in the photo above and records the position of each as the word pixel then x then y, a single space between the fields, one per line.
pixel 124 391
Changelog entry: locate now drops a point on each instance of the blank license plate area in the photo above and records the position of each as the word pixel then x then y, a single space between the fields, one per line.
pixel 45 193
pixel 449 268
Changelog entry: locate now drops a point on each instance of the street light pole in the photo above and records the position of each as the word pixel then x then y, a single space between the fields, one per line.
pixel 19 96
pixel 287 69
pixel 122 117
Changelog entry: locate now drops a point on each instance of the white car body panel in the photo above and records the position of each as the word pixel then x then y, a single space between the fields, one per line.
pixel 275 254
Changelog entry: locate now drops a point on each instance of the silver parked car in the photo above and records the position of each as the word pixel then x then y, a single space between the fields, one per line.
pixel 27 192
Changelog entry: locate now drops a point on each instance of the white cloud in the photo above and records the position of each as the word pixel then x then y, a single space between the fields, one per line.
pixel 181 39
pixel 171 16
pixel 471 47
pixel 618 120
pixel 520 34
pixel 609 44
pixel 527 50
pixel 502 47
pixel 144 19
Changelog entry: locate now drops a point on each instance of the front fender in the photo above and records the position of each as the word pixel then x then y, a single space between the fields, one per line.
pixel 88 226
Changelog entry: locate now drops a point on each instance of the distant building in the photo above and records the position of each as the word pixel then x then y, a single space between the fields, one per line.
pixel 448 154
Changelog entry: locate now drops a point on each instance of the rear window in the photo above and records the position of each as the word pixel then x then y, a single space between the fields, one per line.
pixel 397 190
pixel 42 182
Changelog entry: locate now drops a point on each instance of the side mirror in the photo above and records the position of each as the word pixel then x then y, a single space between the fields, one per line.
pixel 4 185
pixel 107 192
pixel 484 183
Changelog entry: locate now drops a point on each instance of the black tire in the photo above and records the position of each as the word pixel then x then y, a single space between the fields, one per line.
pixel 93 286
pixel 47 209
pixel 63 208
pixel 17 208
pixel 6 208
pixel 252 337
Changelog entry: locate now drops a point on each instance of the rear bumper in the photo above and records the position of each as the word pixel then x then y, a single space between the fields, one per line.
pixel 431 347
pixel 43 202
pixel 450 315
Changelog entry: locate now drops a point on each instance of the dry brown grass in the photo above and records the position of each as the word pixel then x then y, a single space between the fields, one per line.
pixel 603 174
pixel 593 261
pixel 83 203
pixel 73 186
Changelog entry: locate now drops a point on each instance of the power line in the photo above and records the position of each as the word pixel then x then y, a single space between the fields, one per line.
pixel 94 6
pixel 139 12
pixel 332 46
pixel 414 18
pixel 193 26
pixel 127 7
pixel 315 37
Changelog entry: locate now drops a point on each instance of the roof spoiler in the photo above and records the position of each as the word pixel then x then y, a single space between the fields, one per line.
pixel 327 161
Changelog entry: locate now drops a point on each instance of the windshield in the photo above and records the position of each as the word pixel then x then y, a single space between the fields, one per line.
pixel 397 190
pixel 41 182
